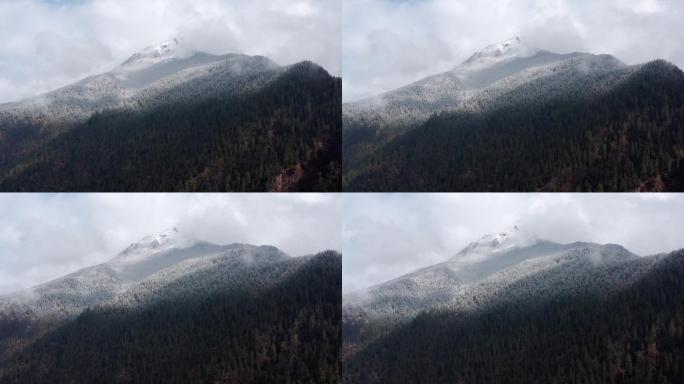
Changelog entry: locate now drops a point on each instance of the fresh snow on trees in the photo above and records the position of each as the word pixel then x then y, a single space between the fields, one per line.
pixel 511 266
pixel 175 119
pixel 482 82
pixel 142 80
pixel 156 267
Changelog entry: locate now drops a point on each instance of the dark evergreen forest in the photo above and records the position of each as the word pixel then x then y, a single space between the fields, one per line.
pixel 284 137
pixel 287 334
pixel 634 336
pixel 630 139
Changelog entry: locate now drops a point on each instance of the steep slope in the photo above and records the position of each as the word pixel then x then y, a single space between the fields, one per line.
pixel 284 136
pixel 168 97
pixel 620 131
pixel 154 67
pixel 497 259
pixel 476 85
pixel 279 323
pixel 168 292
pixel 470 85
pixel 151 263
pixel 515 118
pixel 508 267
pixel 634 335
pixel 29 123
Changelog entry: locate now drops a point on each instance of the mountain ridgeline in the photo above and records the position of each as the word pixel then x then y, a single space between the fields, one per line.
pixel 170 120
pixel 175 312
pixel 522 120
pixel 635 336
pixel 515 309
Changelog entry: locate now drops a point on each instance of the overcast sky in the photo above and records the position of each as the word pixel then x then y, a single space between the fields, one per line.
pixel 44 236
pixel 390 43
pixel 388 235
pixel 47 44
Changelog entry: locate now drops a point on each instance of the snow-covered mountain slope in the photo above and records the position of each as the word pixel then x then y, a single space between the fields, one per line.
pixel 234 270
pixel 233 74
pixel 497 53
pixel 480 83
pixel 71 103
pixel 153 55
pixel 143 268
pixel 142 77
pixel 510 265
pixel 164 76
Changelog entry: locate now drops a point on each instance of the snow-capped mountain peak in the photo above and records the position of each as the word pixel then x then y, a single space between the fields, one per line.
pixel 167 50
pixel 488 245
pixel 509 237
pixel 165 47
pixel 511 264
pixel 496 53
pixel 150 245
pixel 160 239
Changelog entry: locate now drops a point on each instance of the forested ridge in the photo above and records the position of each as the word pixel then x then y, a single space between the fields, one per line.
pixel 285 136
pixel 633 336
pixel 631 138
pixel 289 333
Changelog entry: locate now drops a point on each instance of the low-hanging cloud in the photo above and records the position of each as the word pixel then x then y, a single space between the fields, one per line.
pixel 388 235
pixel 49 44
pixel 44 236
pixel 390 43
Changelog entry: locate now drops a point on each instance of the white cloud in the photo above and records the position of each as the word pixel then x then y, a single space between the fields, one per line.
pixel 47 45
pixel 387 235
pixel 44 236
pixel 389 43
pixel 642 6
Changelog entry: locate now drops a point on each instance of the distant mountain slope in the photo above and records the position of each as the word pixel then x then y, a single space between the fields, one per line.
pixel 635 335
pixel 143 267
pixel 473 84
pixel 523 120
pixel 271 327
pixel 171 119
pixel 151 70
pixel 271 316
pixel 509 267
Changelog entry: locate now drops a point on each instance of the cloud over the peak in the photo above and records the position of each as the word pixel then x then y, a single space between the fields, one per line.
pixel 390 43
pixel 44 236
pixel 388 235
pixel 47 44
